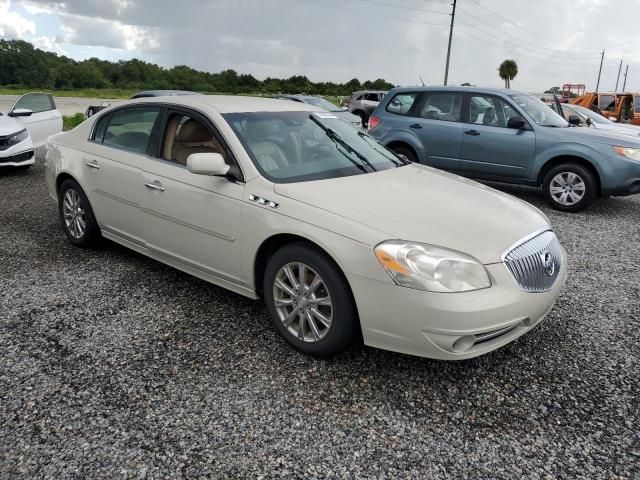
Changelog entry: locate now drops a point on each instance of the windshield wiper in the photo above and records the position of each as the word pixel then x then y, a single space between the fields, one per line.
pixel 374 144
pixel 333 135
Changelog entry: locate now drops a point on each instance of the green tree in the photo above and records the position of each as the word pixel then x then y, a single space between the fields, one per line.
pixel 508 71
pixel 553 91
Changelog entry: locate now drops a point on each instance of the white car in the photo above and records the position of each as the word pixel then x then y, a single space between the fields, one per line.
pixel 29 122
pixel 589 118
pixel 340 237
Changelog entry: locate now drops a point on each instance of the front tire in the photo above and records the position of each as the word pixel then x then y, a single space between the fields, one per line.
pixel 310 301
pixel 405 153
pixel 570 187
pixel 76 215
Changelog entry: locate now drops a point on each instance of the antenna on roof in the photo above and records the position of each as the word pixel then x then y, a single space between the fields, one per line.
pixel 421 80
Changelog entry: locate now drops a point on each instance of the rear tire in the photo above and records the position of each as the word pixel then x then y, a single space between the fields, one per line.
pixel 300 313
pixel 405 152
pixel 76 215
pixel 570 187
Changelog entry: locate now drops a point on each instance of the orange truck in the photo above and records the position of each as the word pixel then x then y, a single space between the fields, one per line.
pixel 617 107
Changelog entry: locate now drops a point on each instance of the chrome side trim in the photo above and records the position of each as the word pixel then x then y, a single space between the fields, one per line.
pixel 115 197
pixel 189 225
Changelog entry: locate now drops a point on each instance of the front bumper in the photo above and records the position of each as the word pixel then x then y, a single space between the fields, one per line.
pixel 452 326
pixel 17 159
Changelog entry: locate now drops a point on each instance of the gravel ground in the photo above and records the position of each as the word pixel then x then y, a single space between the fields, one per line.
pixel 114 365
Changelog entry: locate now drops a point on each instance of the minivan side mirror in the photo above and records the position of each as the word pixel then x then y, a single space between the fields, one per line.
pixel 574 120
pixel 207 163
pixel 517 123
pixel 20 112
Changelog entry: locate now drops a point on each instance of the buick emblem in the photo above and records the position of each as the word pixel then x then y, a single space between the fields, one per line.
pixel 548 265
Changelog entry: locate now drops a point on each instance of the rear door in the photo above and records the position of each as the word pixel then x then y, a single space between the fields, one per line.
pixel 489 148
pixel 122 141
pixel 44 119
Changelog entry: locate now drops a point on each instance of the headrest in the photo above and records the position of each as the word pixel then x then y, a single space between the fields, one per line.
pixel 192 131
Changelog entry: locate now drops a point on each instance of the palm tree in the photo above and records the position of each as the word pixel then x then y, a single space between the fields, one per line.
pixel 508 71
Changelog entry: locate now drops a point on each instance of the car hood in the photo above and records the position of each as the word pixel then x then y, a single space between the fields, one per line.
pixel 8 126
pixel 421 204
pixel 608 137
pixel 620 128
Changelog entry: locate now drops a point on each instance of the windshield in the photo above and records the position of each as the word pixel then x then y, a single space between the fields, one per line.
pixel 539 112
pixel 322 103
pixel 302 146
pixel 636 100
pixel 595 117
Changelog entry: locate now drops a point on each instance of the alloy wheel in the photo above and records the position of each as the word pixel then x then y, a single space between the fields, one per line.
pixel 303 302
pixel 567 188
pixel 73 212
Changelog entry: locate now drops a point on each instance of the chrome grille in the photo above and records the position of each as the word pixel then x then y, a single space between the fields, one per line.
pixel 535 262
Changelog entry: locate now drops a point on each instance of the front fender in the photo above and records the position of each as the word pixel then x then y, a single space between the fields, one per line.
pixel 570 149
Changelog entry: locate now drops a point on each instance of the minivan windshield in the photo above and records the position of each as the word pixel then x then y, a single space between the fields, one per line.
pixel 538 111
pixel 303 146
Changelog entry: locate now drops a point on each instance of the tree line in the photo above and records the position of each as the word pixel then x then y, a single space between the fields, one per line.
pixel 23 65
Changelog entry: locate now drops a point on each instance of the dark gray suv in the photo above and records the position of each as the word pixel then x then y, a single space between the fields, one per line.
pixel 363 103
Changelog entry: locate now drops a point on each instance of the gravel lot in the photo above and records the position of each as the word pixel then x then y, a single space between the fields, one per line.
pixel 114 365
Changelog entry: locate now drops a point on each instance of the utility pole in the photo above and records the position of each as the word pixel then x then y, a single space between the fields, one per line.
pixel 618 80
pixel 600 71
pixel 624 85
pixel 446 68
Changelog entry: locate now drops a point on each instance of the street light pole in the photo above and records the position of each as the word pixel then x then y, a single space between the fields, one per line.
pixel 618 80
pixel 600 71
pixel 624 85
pixel 446 68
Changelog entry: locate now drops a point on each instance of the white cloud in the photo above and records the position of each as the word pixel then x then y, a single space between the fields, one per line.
pixel 12 24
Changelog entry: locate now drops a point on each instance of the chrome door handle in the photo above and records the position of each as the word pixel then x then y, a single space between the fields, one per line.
pixel 153 186
pixel 93 165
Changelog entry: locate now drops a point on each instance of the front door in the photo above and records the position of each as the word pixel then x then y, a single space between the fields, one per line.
pixel 489 148
pixel 43 121
pixel 193 220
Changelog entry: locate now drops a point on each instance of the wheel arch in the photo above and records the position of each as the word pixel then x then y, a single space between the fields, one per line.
pixel 61 178
pixel 560 159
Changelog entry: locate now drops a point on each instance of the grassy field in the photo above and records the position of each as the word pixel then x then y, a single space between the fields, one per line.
pixel 120 93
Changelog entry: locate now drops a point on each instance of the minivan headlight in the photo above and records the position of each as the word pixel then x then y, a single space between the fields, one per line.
pixel 431 268
pixel 17 138
pixel 632 153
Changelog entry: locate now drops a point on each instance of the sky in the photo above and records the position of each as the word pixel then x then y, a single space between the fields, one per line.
pixel 552 42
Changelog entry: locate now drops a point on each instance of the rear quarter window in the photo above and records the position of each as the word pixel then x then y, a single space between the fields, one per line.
pixel 401 103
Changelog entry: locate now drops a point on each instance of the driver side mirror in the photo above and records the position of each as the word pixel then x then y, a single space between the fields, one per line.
pixel 517 123
pixel 207 163
pixel 20 112
pixel 589 122
pixel 574 120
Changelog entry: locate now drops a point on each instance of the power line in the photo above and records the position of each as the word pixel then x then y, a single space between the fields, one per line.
pixel 536 47
pixel 524 28
pixel 404 7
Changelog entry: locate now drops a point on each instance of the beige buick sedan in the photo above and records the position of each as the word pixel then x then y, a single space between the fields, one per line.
pixel 341 238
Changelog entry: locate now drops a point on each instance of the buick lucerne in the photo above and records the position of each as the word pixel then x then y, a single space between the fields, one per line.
pixel 342 239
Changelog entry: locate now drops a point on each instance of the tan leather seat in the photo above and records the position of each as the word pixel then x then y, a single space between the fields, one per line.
pixel 193 137
pixel 268 154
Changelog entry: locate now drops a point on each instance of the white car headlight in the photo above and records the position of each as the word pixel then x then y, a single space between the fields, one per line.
pixel 431 268
pixel 632 153
pixel 18 137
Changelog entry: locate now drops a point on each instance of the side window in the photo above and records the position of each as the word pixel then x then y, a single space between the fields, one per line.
pixel 358 98
pixel 607 103
pixel 489 110
pixel 131 128
pixel 101 128
pixel 442 106
pixel 36 102
pixel 372 97
pixel 401 103
pixel 186 135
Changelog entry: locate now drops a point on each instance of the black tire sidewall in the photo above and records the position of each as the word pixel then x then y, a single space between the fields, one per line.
pixel 344 325
pixel 92 232
pixel 587 176
pixel 406 152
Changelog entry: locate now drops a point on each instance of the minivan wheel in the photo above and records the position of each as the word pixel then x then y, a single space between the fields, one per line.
pixel 405 153
pixel 76 215
pixel 309 300
pixel 570 187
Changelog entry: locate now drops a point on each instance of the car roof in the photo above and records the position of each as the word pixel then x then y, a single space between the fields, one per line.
pixel 162 93
pixel 232 103
pixel 440 88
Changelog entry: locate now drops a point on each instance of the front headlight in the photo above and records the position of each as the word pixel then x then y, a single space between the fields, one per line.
pixel 632 153
pixel 17 138
pixel 435 269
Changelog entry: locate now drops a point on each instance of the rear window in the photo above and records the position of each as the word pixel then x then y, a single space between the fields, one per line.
pixel 401 103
